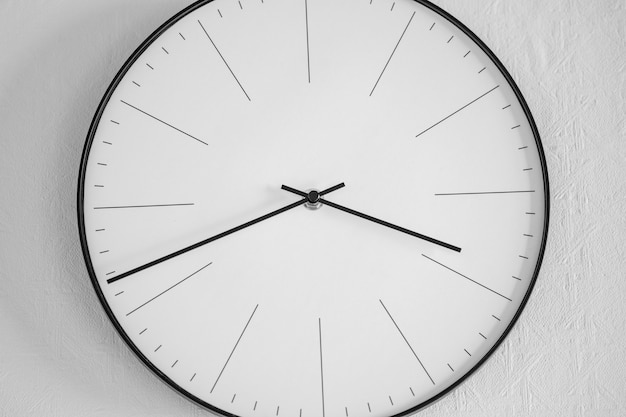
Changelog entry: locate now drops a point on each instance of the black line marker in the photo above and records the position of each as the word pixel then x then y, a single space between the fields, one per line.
pixel 233 400
pixel 193 376
pixel 392 6
pixel 220 13
pixel 515 127
pixel 528 235
pixel 528 169
pixel 449 40
pixel 450 368
pixel 174 364
pixel 523 257
pixel 254 408
pixel 119 293
pixel 482 70
pixel 143 331
pixel 165 50
pixel 531 214
pixel 467 352
pixel 468 52
pixel 112 272
pixel 392 52
pixel 506 107
pixel 514 277
pixel 447 117
pixel 486 192
pixel 467 278
pixel 412 393
pixel 482 335
pixel 104 251
pixel 101 164
pixel 235 347
pixel 431 28
pixel 100 230
pixel 277 410
pixel 523 147
pixel 226 63
pixel 390 400
pixel 179 282
pixel 346 411
pixel 240 6
pixel 144 206
pixel 99 186
pixel 495 317
pixel 319 322
pixel 407 342
pixel 165 123
pixel 107 143
pixel 308 54
pixel 158 347
pixel 113 121
pixel 369 407
pixel 137 84
pixel 181 35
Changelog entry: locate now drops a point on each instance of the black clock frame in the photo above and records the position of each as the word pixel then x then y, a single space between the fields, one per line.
pixel 81 192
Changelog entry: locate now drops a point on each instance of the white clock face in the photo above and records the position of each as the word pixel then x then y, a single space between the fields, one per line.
pixel 372 301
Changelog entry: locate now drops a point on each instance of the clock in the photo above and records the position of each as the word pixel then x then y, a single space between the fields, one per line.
pixel 311 208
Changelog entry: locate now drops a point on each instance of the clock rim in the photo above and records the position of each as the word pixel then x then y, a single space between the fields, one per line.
pixel 128 341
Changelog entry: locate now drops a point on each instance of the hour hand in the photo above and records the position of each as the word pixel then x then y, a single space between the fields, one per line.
pixel 317 196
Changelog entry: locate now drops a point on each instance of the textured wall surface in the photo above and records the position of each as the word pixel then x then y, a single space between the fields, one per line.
pixel 59 355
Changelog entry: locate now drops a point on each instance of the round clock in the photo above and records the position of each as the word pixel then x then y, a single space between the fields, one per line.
pixel 313 208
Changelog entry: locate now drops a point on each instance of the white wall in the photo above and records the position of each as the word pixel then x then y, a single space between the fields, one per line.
pixel 59 355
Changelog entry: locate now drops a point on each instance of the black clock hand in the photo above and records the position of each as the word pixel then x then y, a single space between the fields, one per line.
pixel 313 198
pixel 218 236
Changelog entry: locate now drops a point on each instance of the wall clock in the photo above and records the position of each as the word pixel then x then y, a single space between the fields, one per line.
pixel 313 207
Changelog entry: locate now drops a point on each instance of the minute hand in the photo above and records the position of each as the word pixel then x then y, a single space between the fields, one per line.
pixel 391 226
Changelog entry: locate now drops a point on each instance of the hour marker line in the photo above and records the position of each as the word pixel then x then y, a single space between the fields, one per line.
pixel 319 322
pixel 486 192
pixel 143 206
pixel 163 122
pixel 462 108
pixel 233 351
pixel 226 63
pixel 407 342
pixel 467 278
pixel 393 52
pixel 308 54
pixel 178 283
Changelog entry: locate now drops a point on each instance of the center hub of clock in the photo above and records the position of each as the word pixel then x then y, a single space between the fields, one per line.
pixel 313 200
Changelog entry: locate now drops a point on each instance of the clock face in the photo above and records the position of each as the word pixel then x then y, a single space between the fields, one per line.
pixel 313 208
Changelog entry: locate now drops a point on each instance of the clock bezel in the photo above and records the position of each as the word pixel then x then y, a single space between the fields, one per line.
pixel 81 212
